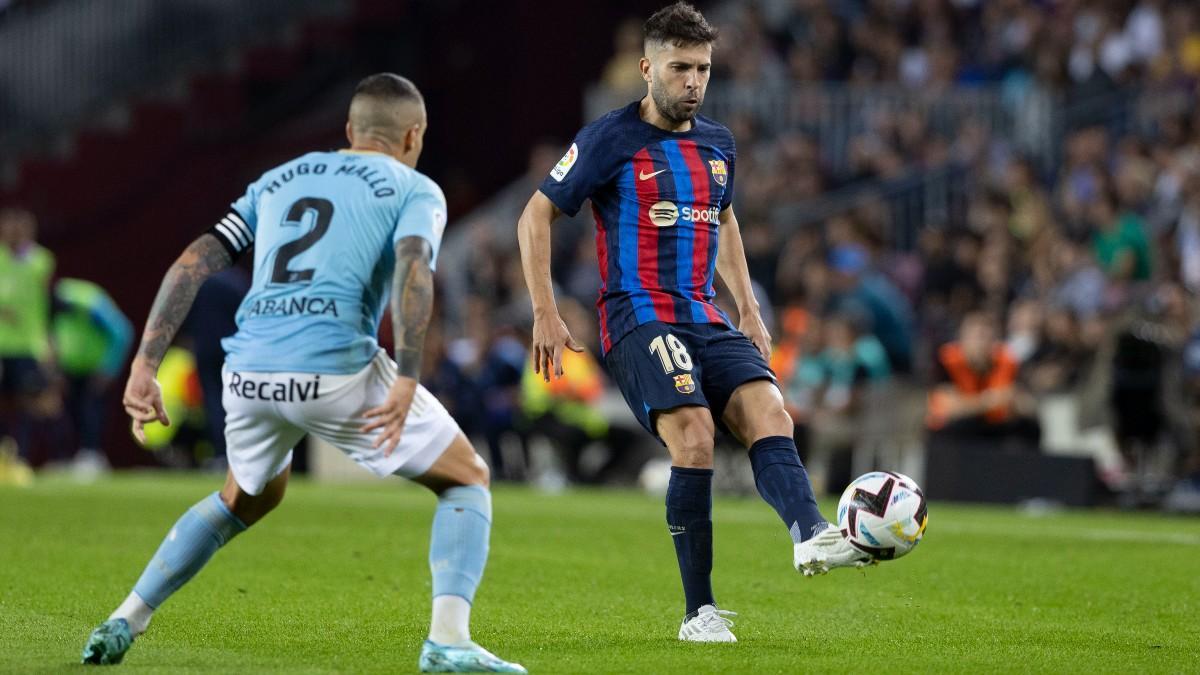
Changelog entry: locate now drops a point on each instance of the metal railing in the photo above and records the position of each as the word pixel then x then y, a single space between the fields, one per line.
pixel 1033 121
pixel 935 198
pixel 836 113
pixel 61 61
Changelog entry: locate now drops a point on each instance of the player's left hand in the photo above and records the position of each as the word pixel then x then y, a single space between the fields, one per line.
pixel 752 326
pixel 391 415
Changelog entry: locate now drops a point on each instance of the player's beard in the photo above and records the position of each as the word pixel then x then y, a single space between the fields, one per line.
pixel 673 109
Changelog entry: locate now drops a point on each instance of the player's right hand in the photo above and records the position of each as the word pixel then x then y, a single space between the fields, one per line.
pixel 143 399
pixel 391 415
pixel 550 336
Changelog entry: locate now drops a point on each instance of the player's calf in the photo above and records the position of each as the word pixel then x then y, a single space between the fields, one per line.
pixel 458 551
pixel 783 483
pixel 192 541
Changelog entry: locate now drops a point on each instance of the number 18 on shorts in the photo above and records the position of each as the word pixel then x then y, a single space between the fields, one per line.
pixel 660 366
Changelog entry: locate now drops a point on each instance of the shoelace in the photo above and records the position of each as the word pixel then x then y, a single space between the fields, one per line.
pixel 717 619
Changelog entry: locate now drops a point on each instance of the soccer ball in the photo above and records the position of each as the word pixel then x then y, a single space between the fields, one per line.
pixel 883 514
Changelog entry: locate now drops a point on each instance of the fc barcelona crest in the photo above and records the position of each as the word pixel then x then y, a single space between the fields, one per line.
pixel 684 383
pixel 719 173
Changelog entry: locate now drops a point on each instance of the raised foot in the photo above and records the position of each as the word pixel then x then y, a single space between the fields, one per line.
pixel 828 550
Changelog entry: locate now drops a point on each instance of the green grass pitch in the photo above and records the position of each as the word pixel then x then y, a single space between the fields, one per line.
pixel 336 580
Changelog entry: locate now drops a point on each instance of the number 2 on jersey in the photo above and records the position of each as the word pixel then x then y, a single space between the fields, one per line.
pixel 295 214
pixel 671 352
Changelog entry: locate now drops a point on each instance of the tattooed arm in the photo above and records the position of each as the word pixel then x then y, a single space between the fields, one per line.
pixel 412 307
pixel 412 302
pixel 203 258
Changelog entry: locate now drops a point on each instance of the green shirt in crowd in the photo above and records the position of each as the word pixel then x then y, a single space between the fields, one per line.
pixel 91 335
pixel 1127 238
pixel 25 302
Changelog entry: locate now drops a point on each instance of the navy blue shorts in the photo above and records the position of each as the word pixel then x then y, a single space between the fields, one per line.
pixel 660 366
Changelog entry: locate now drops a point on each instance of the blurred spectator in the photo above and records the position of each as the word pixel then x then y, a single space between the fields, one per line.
pixel 798 328
pixel 447 374
pixel 1061 358
pixel 91 342
pixel 564 410
pixel 623 72
pixel 848 358
pixel 1024 330
pixel 950 287
pixel 501 371
pixel 1140 358
pixel 1120 243
pixel 26 394
pixel 1185 493
pixel 978 396
pixel 864 292
pixel 1074 280
pixel 827 393
pixel 1187 237
pixel 1029 203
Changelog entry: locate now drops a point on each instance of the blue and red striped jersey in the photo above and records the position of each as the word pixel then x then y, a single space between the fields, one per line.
pixel 656 196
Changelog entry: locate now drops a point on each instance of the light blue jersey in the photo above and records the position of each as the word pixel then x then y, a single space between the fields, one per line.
pixel 323 227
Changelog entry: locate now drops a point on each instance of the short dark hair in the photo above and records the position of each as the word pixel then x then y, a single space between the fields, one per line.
pixel 388 86
pixel 680 24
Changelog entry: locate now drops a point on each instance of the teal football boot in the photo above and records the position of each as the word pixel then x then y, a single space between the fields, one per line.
pixel 108 643
pixel 465 657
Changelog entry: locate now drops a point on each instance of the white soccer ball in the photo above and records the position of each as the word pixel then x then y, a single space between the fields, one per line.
pixel 655 476
pixel 883 514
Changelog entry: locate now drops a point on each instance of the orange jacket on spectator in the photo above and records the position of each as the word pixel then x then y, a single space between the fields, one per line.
pixel 787 352
pixel 957 370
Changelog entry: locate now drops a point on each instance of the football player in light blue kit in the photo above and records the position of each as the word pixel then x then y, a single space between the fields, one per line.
pixel 331 232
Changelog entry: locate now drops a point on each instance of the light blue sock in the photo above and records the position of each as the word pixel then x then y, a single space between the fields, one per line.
pixel 196 536
pixel 458 549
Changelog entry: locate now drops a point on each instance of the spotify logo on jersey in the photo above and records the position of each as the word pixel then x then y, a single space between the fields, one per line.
pixel 664 214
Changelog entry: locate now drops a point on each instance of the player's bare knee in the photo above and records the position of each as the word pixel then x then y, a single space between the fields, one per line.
pixel 252 508
pixel 775 421
pixel 479 473
pixel 471 469
pixel 692 446
pixel 229 500
pixel 688 434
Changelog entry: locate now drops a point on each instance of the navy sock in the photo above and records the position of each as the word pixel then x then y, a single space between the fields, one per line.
pixel 783 483
pixel 689 518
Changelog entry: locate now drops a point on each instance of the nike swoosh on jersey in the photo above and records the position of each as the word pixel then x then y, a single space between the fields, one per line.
pixel 647 176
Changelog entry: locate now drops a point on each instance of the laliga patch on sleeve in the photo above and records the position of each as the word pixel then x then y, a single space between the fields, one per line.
pixel 564 165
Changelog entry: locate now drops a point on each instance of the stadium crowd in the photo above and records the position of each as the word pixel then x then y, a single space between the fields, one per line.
pixel 1055 313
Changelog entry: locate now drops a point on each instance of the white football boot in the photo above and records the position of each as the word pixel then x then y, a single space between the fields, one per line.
pixel 709 625
pixel 826 550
